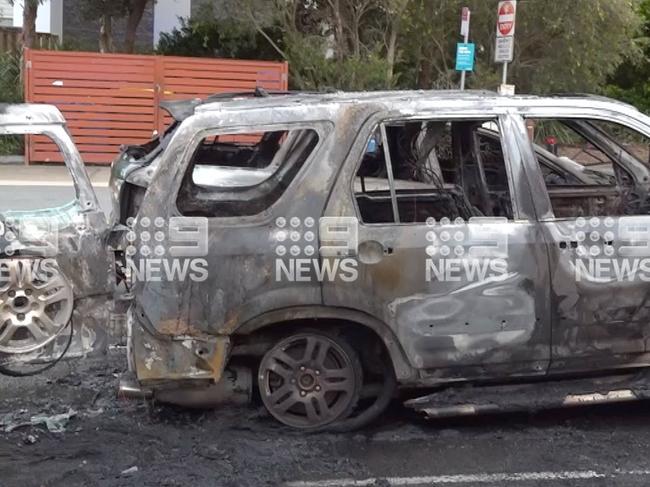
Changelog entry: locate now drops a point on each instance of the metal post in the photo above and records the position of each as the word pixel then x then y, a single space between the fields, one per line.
pixel 504 80
pixel 466 15
pixel 389 170
pixel 464 73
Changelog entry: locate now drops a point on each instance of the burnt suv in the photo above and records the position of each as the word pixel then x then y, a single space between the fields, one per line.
pixel 343 246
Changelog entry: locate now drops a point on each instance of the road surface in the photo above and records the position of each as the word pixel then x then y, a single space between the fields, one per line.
pixel 35 197
pixel 112 442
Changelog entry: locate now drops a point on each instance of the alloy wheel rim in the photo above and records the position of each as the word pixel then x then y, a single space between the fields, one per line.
pixel 35 305
pixel 307 381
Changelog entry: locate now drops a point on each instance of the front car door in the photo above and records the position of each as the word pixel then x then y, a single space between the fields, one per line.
pixel 447 250
pixel 597 228
pixel 55 272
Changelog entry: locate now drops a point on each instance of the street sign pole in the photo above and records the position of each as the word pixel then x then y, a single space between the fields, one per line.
pixel 505 40
pixel 464 30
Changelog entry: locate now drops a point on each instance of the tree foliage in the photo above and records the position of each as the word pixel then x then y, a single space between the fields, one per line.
pixel 369 44
pixel 631 82
pixel 208 36
pixel 559 46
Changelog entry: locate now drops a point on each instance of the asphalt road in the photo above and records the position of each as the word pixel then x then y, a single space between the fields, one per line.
pixel 112 442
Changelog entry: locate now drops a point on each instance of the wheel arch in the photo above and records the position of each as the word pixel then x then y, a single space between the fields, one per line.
pixel 404 371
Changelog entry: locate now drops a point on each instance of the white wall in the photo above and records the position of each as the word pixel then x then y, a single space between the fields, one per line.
pixel 49 19
pixel 166 16
pixel 6 13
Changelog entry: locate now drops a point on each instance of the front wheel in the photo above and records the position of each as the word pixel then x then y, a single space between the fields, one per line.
pixel 310 380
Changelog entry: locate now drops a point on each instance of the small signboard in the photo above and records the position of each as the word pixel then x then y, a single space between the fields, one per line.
pixel 505 44
pixel 464 22
pixel 465 56
pixel 507 11
pixel 505 49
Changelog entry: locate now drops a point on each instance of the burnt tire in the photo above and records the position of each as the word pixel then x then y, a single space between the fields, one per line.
pixel 310 380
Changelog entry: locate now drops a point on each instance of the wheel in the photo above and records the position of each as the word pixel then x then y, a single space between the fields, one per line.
pixel 310 380
pixel 35 305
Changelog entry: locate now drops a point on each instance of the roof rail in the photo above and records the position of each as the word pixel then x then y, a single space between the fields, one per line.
pixel 593 97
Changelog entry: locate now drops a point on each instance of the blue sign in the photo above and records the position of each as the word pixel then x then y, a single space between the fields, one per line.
pixel 465 56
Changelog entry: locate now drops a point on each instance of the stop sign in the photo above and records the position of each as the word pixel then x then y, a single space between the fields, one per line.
pixel 506 22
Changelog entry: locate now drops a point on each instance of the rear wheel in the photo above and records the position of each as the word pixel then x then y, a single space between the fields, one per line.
pixel 310 380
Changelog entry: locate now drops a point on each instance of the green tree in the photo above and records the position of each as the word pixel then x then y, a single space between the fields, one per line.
pixel 559 46
pixel 631 82
pixel 208 36
pixel 371 44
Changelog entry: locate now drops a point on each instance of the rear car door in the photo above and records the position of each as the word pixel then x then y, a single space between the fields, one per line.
pixel 217 231
pixel 55 271
pixel 445 247
pixel 597 227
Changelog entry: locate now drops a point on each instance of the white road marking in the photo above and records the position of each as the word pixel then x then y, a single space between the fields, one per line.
pixel 58 184
pixel 480 478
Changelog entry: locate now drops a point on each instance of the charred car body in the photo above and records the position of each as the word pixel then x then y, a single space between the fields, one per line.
pixel 341 245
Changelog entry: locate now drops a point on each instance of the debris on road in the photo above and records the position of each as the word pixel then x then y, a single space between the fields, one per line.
pixel 30 439
pixel 54 424
pixel 130 470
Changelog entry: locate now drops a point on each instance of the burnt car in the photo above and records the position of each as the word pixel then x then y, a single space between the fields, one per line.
pixel 340 247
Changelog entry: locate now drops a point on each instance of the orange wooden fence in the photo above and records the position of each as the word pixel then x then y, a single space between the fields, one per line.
pixel 112 99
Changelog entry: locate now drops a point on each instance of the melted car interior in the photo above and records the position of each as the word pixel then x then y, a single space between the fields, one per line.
pixel 417 170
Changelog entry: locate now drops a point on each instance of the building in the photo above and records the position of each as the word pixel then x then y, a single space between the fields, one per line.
pixel 62 18
pixel 6 14
pixel 49 19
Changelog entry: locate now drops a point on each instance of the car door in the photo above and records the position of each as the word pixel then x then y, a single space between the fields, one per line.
pixel 56 274
pixel 232 231
pixel 463 290
pixel 597 231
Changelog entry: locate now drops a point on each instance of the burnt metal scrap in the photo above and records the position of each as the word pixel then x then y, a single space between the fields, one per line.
pixel 226 248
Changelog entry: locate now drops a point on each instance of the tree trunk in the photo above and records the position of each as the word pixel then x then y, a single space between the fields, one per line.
pixel 391 53
pixel 106 34
pixel 339 34
pixel 425 71
pixel 29 23
pixel 133 21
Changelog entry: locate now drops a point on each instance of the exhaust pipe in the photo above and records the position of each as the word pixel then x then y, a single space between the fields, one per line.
pixel 130 388
pixel 235 387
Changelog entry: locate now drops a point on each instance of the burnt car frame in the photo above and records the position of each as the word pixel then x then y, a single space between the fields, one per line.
pixel 330 351
pixel 56 267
